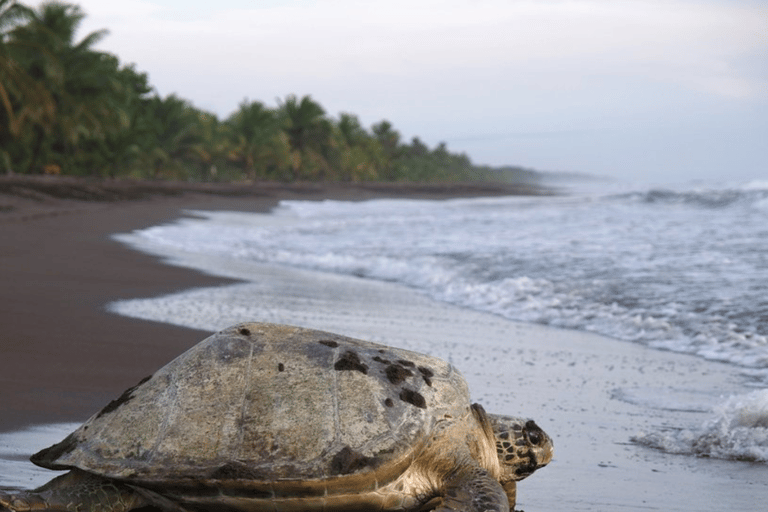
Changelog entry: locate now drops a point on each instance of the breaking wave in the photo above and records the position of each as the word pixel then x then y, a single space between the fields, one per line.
pixel 739 431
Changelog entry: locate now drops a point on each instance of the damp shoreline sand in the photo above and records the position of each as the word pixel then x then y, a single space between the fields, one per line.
pixel 65 356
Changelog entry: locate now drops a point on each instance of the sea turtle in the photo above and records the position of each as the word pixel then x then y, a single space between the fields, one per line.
pixel 272 417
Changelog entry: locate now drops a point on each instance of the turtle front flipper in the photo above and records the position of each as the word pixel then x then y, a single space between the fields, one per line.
pixel 511 489
pixel 474 490
pixel 76 491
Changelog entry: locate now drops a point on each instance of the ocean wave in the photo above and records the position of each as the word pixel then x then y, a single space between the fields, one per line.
pixel 753 194
pixel 739 431
pixel 690 280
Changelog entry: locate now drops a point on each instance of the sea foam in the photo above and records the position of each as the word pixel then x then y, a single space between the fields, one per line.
pixel 16 447
pixel 738 431
pixel 681 270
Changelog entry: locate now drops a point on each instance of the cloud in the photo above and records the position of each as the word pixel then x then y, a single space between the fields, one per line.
pixel 694 44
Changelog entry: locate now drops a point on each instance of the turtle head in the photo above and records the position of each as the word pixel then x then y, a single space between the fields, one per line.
pixel 522 447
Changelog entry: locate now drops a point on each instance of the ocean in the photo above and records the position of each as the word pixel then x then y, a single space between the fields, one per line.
pixel 681 269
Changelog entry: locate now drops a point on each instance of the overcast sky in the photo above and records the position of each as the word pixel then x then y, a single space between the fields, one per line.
pixel 649 90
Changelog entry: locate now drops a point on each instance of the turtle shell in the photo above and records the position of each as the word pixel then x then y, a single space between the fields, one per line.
pixel 268 403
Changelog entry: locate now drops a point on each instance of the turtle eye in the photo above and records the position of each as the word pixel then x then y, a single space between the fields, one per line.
pixel 533 432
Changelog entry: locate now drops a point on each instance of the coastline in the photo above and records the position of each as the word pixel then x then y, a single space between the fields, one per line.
pixel 64 355
pixel 25 197
pixel 589 392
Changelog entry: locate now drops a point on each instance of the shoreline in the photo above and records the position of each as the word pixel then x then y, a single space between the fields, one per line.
pixel 64 354
pixel 26 197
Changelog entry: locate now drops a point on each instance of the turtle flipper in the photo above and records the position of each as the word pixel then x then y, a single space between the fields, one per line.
pixel 474 491
pixel 511 489
pixel 75 491
pixel 21 501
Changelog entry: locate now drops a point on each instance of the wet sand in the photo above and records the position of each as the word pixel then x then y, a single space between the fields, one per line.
pixel 68 356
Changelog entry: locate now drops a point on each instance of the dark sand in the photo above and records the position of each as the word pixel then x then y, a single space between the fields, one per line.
pixel 62 355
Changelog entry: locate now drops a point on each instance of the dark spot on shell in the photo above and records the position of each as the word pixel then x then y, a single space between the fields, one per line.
pixel 517 428
pixel 381 360
pixel 125 397
pixel 504 435
pixel 329 343
pixel 245 332
pixel 350 361
pixel 413 398
pixel 426 374
pixel 348 461
pixel 397 374
pixel 280 367
pixel 407 363
pixel 509 457
pixel 388 402
pixel 506 444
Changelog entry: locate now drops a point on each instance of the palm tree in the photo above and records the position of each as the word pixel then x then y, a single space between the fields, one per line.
pixel 11 13
pixel 259 147
pixel 79 79
pixel 351 130
pixel 389 139
pixel 123 146
pixel 356 151
pixel 174 137
pixel 22 98
pixel 308 132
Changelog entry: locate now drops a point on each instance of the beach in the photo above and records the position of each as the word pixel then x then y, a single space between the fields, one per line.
pixel 65 354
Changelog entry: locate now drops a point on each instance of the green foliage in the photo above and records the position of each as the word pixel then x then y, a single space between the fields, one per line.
pixel 256 142
pixel 68 108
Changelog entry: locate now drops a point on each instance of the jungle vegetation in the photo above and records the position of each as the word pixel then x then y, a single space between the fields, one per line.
pixel 67 108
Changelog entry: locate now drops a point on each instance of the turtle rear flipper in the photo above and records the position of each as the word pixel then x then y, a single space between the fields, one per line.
pixel 474 490
pixel 75 491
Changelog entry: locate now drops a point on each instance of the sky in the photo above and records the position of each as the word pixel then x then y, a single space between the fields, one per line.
pixel 639 90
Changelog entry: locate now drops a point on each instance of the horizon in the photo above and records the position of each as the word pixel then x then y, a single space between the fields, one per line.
pixel 633 90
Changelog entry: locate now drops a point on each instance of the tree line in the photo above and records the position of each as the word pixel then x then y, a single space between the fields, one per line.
pixel 67 108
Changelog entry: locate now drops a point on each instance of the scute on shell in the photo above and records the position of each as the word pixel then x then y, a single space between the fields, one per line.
pixel 264 402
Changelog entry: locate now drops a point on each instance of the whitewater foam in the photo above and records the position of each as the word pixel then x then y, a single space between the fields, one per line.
pixel 676 270
pixel 16 447
pixel 738 431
